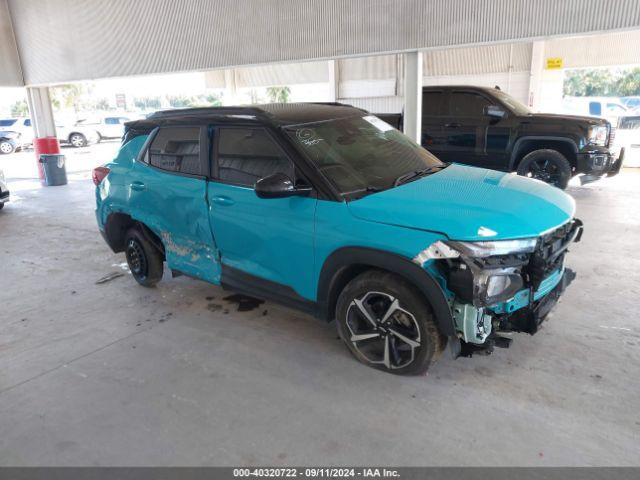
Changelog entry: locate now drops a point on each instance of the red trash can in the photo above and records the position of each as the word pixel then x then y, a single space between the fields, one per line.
pixel 45 145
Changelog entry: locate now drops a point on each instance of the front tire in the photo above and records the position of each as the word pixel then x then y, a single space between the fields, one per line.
pixel 387 324
pixel 6 147
pixel 144 260
pixel 547 165
pixel 78 140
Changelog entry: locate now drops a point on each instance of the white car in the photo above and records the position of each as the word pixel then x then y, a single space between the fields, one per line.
pixel 610 108
pixel 107 127
pixel 628 137
pixel 75 135
pixel 4 191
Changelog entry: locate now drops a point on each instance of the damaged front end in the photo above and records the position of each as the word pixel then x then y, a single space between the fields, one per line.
pixel 503 285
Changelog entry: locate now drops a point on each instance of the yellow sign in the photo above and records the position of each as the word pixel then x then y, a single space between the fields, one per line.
pixel 554 63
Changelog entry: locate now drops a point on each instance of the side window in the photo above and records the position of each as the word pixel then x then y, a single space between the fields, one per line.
pixel 27 122
pixel 245 155
pixel 432 104
pixel 111 121
pixel 595 108
pixel 467 104
pixel 177 149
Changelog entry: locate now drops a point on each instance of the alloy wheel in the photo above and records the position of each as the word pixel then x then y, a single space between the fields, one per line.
pixel 6 147
pixel 77 141
pixel 382 331
pixel 546 171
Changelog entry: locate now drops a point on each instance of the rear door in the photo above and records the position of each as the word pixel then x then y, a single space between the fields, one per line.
pixel 168 193
pixel 433 110
pixel 260 240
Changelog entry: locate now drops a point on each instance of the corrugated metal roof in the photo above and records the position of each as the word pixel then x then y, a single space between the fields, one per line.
pixel 66 40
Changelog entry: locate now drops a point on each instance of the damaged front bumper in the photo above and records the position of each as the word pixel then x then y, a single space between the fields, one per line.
pixel 510 317
pixel 502 286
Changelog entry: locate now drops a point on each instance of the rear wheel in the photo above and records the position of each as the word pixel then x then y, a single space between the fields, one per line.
pixel 78 140
pixel 144 260
pixel 547 165
pixel 386 324
pixel 6 147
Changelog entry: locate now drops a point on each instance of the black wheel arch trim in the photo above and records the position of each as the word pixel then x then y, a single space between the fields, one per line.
pixel 516 146
pixel 341 262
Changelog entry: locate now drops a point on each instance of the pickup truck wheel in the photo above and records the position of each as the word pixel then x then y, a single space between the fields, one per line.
pixel 547 165
pixel 77 140
pixel 387 324
pixel 144 260
pixel 6 147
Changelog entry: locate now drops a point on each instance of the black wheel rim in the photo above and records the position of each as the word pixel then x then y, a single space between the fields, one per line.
pixel 137 259
pixel 383 332
pixel 546 170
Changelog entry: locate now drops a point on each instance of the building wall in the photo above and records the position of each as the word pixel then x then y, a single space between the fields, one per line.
pixel 70 40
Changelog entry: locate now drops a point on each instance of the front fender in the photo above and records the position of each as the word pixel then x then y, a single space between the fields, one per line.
pixel 338 270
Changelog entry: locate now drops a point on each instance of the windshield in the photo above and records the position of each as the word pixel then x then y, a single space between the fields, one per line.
pixel 517 107
pixel 7 122
pixel 360 154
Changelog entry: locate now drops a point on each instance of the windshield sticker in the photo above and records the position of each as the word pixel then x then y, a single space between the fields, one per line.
pixel 379 124
pixel 308 137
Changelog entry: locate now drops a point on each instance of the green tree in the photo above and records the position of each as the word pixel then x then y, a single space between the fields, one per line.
pixel 279 94
pixel 180 101
pixel 19 109
pixel 147 103
pixel 601 82
pixel 629 84
pixel 71 96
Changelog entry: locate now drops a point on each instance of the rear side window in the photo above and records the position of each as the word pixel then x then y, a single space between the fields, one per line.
pixel 432 104
pixel 177 149
pixel 467 104
pixel 245 155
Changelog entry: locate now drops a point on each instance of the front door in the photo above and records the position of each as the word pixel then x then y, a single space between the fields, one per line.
pixel 168 193
pixel 259 239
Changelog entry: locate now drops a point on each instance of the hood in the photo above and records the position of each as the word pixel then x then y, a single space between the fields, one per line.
pixel 553 117
pixel 472 204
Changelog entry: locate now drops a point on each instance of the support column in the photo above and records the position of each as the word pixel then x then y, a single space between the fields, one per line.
pixel 535 75
pixel 413 95
pixel 43 124
pixel 334 81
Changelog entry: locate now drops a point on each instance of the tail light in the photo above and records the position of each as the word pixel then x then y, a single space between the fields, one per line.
pixel 98 174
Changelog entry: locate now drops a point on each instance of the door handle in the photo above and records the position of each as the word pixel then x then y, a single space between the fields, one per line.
pixel 222 200
pixel 452 125
pixel 138 186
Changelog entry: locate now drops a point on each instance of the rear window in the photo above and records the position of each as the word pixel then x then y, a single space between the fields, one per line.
pixel 629 123
pixel 177 150
pixel 432 103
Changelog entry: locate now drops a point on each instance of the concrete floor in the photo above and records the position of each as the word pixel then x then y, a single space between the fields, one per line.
pixel 116 374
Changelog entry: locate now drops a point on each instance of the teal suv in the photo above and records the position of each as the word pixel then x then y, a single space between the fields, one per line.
pixel 329 210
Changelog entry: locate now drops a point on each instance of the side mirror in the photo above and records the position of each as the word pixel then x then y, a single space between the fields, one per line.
pixel 279 185
pixel 494 111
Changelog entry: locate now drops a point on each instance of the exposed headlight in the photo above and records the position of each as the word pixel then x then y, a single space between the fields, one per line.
pixel 598 135
pixel 451 249
pixel 480 282
pixel 498 287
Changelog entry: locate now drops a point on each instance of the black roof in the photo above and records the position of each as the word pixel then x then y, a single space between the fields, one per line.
pixel 277 114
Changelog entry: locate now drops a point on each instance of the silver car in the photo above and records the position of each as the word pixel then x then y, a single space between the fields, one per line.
pixel 4 190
